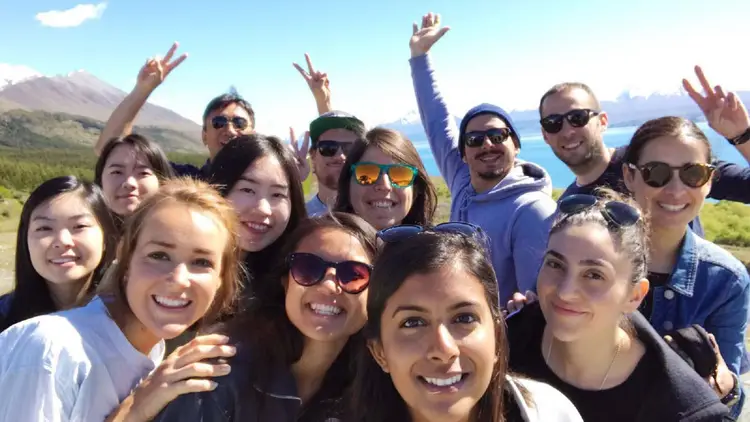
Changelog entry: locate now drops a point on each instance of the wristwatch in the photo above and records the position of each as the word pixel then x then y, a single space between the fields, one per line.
pixel 734 395
pixel 739 140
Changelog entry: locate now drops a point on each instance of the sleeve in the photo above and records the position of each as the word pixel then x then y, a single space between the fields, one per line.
pixel 529 240
pixel 731 183
pixel 438 123
pixel 729 322
pixel 36 385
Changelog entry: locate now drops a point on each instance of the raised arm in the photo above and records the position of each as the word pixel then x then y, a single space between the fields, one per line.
pixel 318 83
pixel 151 75
pixel 440 128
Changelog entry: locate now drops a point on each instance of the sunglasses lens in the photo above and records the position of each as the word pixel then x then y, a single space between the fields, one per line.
pixel 578 118
pixel 656 175
pixel 456 227
pixel 552 124
pixel 695 175
pixel 353 276
pixel 366 174
pixel 306 269
pixel 622 214
pixel 474 139
pixel 398 233
pixel 576 203
pixel 401 176
pixel 219 122
pixel 239 123
pixel 327 148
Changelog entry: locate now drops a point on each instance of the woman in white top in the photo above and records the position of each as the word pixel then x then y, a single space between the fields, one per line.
pixel 177 266
pixel 436 337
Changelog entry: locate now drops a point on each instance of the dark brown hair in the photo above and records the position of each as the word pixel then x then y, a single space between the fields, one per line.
pixel 196 195
pixel 677 127
pixel 374 397
pixel 568 86
pixel 401 149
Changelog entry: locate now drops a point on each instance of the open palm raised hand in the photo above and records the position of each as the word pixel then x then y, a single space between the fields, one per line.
pixel 156 69
pixel 725 112
pixel 422 39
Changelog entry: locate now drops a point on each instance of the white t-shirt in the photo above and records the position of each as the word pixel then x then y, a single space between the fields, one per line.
pixel 549 405
pixel 74 365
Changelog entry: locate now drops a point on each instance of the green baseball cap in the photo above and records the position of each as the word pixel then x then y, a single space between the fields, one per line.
pixel 335 120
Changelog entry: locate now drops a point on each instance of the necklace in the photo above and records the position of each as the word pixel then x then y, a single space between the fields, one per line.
pixel 606 375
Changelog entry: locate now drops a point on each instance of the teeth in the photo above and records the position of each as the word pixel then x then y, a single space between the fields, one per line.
pixel 383 204
pixel 572 146
pixel 171 303
pixel 489 157
pixel 674 208
pixel 63 260
pixel 258 227
pixel 444 382
pixel 328 310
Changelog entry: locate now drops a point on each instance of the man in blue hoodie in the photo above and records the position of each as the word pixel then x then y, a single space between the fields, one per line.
pixel 509 198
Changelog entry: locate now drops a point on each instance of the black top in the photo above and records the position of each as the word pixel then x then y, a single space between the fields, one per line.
pixel 662 388
pixel 190 170
pixel 654 280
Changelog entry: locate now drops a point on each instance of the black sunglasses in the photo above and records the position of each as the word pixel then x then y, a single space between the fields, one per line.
pixel 657 174
pixel 330 148
pixel 239 123
pixel 309 269
pixel 576 118
pixel 496 137
pixel 615 212
pixel 405 231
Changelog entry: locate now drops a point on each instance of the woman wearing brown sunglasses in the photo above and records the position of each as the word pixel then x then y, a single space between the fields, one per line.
pixel 294 341
pixel 693 281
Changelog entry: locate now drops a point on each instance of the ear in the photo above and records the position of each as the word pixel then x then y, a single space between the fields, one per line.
pixel 376 350
pixel 637 293
pixel 203 135
pixel 603 120
pixel 628 176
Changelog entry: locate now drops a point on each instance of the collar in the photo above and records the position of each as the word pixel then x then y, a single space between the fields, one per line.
pixel 682 279
pixel 282 386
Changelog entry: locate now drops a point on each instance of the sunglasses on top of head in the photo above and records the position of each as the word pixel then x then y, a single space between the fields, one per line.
pixel 331 148
pixel 576 118
pixel 615 212
pixel 657 174
pixel 309 269
pixel 405 231
pixel 367 174
pixel 496 136
pixel 239 123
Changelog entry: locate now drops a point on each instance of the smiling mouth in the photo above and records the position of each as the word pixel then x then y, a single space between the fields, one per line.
pixel 573 146
pixel 258 228
pixel 385 204
pixel 64 260
pixel 489 158
pixel 325 310
pixel 171 303
pixel 442 384
pixel 671 207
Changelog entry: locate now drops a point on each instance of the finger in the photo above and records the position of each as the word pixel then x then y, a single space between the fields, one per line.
pixel 306 144
pixel 704 82
pixel 292 139
pixel 531 296
pixel 170 53
pixel 189 386
pixel 425 21
pixel 211 339
pixel 414 28
pixel 733 101
pixel 197 370
pixel 301 71
pixel 719 91
pixel 176 63
pixel 694 95
pixel 309 64
pixel 442 32
pixel 202 352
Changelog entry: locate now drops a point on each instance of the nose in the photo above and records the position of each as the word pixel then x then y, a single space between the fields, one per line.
pixel 130 183
pixel 329 281
pixel 443 347
pixel 63 239
pixel 384 182
pixel 567 289
pixel 180 275
pixel 262 207
pixel 487 144
pixel 675 186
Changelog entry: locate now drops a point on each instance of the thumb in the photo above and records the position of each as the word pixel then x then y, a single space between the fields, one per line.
pixel 414 28
pixel 442 32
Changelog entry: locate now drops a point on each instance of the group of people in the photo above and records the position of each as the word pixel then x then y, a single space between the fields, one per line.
pixel 169 292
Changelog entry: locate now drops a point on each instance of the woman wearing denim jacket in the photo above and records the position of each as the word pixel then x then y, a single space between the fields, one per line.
pixel 667 168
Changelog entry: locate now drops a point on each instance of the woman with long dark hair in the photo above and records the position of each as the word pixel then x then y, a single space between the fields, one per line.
pixel 436 338
pixel 295 339
pixel 66 240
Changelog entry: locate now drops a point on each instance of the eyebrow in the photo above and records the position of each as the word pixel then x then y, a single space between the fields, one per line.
pixel 587 262
pixel 75 217
pixel 173 246
pixel 251 180
pixel 415 308
pixel 137 165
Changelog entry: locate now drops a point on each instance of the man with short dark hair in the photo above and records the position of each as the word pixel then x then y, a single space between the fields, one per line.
pixel 226 116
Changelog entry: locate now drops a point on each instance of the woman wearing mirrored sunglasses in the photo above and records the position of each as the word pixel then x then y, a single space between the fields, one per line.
pixel 436 341
pixel 693 280
pixel 294 342
pixel 384 181
pixel 585 337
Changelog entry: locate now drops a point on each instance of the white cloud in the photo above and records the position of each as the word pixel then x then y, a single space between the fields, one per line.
pixel 72 17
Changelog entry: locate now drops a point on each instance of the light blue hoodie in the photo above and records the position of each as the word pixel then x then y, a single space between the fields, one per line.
pixel 516 214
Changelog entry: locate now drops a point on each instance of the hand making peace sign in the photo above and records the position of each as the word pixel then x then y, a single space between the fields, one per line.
pixel 316 80
pixel 156 69
pixel 300 153
pixel 725 112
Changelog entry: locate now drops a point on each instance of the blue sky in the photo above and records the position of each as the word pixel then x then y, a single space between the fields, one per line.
pixel 507 52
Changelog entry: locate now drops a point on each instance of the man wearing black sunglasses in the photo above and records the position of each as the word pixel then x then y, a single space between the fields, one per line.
pixel 226 116
pixel 505 196
pixel 573 125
